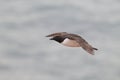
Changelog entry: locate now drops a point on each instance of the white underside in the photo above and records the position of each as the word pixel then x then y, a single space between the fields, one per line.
pixel 70 43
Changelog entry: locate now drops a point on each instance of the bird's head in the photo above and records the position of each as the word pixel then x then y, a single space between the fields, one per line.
pixel 58 39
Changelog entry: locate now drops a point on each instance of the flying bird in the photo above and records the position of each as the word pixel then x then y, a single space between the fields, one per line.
pixel 72 40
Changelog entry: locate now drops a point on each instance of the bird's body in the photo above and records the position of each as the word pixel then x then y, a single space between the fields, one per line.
pixel 72 40
pixel 70 43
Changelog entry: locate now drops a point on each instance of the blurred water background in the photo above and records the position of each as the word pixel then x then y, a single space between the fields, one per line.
pixel 26 54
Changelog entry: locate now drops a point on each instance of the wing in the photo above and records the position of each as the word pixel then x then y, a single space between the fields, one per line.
pixel 87 47
pixel 57 34
pixel 83 43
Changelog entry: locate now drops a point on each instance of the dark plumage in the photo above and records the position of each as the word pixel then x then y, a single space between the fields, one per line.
pixel 72 40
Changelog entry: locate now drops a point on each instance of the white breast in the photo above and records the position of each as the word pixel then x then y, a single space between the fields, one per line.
pixel 70 43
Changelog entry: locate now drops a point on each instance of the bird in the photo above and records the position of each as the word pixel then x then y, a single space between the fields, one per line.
pixel 72 40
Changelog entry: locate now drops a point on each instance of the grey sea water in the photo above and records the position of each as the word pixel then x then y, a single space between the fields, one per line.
pixel 26 54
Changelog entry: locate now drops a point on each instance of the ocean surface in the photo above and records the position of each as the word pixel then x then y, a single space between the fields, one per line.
pixel 26 54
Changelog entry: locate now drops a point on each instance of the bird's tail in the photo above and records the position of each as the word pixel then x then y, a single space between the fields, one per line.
pixel 87 47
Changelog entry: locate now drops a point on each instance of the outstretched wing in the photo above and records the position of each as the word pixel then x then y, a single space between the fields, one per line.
pixel 57 34
pixel 87 47
pixel 83 43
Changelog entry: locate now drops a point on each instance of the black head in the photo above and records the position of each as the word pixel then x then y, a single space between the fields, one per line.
pixel 58 39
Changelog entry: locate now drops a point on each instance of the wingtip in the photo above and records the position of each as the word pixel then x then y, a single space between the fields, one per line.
pixel 93 53
pixel 47 36
pixel 95 48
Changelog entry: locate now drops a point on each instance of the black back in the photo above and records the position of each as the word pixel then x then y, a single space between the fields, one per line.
pixel 58 39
